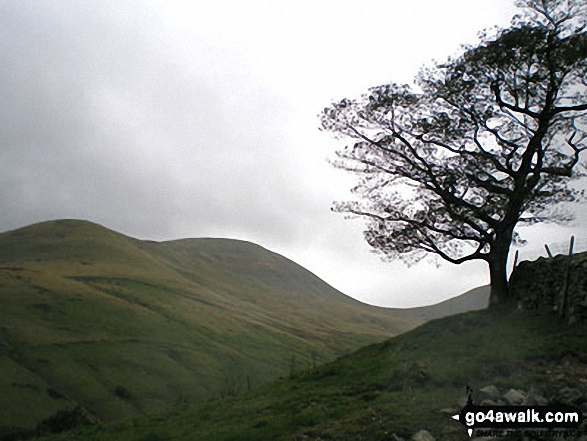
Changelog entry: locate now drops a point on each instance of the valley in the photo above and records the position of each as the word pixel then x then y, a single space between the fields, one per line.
pixel 124 327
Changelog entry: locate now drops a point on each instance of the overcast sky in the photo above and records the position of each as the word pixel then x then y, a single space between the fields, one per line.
pixel 170 119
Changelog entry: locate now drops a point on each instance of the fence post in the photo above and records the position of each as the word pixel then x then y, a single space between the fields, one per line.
pixel 571 246
pixel 516 257
pixel 565 300
pixel 548 251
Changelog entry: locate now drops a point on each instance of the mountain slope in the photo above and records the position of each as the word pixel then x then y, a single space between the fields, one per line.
pixel 411 382
pixel 472 300
pixel 121 327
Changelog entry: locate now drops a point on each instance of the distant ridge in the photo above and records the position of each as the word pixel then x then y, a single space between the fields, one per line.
pixel 472 300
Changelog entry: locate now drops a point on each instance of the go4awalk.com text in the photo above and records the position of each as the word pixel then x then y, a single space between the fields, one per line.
pixel 497 419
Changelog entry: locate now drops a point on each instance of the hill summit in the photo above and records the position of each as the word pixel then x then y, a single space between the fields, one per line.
pixel 120 326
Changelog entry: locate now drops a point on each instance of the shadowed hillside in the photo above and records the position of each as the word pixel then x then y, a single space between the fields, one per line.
pixel 392 390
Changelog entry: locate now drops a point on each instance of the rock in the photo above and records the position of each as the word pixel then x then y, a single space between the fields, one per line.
pixel 394 437
pixel 422 435
pixel 492 402
pixel 536 286
pixel 570 395
pixel 535 399
pixel 488 393
pixel 514 397
pixel 449 411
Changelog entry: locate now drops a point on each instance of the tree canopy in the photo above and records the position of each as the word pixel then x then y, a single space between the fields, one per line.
pixel 479 144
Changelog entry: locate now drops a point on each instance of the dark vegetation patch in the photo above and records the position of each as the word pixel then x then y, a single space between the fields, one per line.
pixel 25 386
pixel 64 420
pixel 61 421
pixel 41 306
pixel 55 394
pixel 122 392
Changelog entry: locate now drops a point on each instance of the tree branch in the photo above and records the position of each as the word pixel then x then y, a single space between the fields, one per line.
pixel 502 103
pixel 577 108
pixel 422 228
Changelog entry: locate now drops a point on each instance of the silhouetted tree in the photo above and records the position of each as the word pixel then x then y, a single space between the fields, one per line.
pixel 481 143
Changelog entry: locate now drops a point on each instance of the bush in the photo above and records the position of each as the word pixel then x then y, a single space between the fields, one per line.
pixel 122 392
pixel 63 420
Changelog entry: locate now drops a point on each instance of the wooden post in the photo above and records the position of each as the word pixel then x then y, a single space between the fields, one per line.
pixel 516 257
pixel 565 295
pixel 548 251
pixel 571 245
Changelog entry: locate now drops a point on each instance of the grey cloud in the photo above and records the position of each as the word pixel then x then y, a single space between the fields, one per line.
pixel 110 113
pixel 102 122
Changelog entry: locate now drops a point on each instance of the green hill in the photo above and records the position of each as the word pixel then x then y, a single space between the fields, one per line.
pixel 393 389
pixel 123 327
pixel 472 300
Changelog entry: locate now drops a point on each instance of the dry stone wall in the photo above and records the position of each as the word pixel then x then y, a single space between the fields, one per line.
pixel 557 285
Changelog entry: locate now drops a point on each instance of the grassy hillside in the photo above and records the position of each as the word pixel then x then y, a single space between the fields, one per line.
pixel 122 327
pixel 410 382
pixel 472 300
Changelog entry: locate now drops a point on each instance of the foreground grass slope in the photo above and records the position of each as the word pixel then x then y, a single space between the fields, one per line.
pixel 122 327
pixel 410 382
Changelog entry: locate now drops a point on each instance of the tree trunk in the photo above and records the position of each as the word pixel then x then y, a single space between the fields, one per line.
pixel 498 271
pixel 498 280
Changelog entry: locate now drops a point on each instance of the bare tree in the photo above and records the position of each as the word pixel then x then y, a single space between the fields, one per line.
pixel 482 143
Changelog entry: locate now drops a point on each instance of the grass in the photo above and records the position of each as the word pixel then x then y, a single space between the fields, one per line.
pixel 88 313
pixel 400 386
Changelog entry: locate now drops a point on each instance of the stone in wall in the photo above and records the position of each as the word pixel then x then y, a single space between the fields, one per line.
pixel 557 285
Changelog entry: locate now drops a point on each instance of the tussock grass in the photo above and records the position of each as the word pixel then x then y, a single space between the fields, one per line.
pixel 399 386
